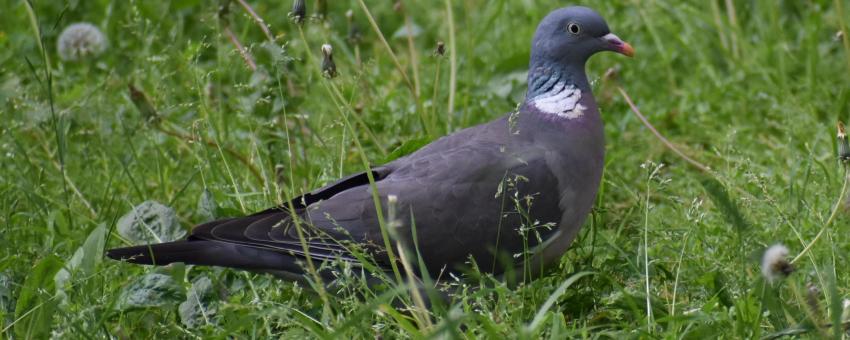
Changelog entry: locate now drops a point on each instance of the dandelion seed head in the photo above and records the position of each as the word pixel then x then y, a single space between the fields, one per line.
pixel 327 50
pixel 774 264
pixel 328 65
pixel 441 49
pixel 81 41
pixel 843 144
pixel 354 34
pixel 299 11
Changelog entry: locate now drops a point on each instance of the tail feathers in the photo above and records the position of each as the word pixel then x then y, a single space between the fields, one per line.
pixel 207 253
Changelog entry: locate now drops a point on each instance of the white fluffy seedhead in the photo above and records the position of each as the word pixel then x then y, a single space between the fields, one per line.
pixel 328 65
pixel 774 264
pixel 81 41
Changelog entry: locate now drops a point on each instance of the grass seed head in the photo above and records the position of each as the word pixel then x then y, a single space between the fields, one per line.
pixel 328 65
pixel 81 41
pixel 774 263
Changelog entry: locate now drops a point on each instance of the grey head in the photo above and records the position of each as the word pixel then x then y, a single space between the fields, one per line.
pixel 564 41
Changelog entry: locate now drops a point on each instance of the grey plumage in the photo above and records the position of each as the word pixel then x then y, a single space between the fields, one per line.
pixel 487 193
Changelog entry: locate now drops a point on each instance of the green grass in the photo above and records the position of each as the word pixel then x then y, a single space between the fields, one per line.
pixel 753 92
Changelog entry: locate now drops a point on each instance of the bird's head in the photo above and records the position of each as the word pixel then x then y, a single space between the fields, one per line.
pixel 570 35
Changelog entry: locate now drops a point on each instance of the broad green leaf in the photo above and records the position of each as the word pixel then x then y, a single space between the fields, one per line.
pixel 35 308
pixel 5 295
pixel 200 303
pixel 151 290
pixel 83 262
pixel 150 222
pixel 207 206
pixel 92 250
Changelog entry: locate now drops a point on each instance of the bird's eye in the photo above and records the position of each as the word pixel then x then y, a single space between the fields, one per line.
pixel 574 28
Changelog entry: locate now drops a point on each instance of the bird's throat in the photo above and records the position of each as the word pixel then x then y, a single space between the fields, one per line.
pixel 557 91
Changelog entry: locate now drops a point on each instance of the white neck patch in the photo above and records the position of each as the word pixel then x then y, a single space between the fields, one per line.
pixel 562 100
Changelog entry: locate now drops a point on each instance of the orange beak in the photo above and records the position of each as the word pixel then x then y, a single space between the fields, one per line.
pixel 618 45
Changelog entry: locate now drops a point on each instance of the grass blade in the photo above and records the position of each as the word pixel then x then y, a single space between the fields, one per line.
pixel 540 317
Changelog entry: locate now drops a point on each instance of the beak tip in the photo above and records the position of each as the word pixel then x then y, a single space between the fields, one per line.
pixel 617 45
pixel 627 50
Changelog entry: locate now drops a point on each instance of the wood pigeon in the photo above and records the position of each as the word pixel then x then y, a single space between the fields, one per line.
pixel 506 196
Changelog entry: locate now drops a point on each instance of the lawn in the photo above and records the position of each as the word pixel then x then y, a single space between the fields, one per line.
pixel 220 109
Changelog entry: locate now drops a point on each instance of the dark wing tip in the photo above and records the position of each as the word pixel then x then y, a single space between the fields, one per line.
pixel 207 253
pixel 161 254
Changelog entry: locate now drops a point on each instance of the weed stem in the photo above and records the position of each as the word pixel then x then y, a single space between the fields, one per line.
pixel 829 220
pixel 389 49
pixel 213 144
pixel 259 20
pixel 660 137
pixel 242 51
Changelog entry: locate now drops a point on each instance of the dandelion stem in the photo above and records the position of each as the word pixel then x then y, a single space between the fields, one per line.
pixel 311 267
pixel 375 195
pixel 344 107
pixel 845 37
pixel 649 321
pixel 57 121
pixel 436 87
pixel 829 220
pixel 389 49
pixel 452 66
pixel 414 65
pixel 70 182
pixel 379 144
pixel 678 271
pixel 412 51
